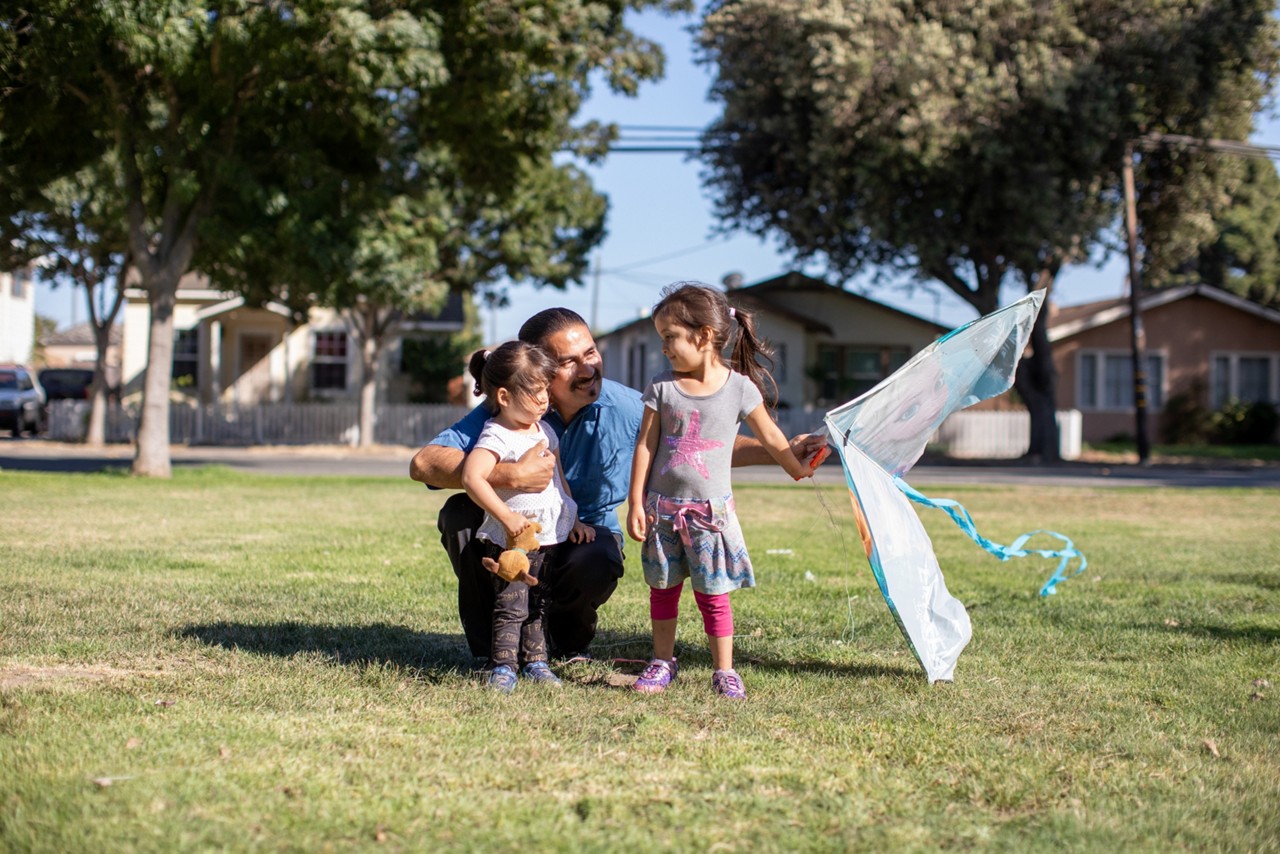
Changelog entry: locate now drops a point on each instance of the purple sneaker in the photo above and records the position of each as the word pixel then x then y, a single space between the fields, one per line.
pixel 657 676
pixel 727 683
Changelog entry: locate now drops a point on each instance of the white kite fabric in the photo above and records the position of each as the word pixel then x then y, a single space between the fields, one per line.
pixel 880 436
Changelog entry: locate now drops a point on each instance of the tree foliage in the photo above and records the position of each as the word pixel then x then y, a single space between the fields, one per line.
pixel 975 144
pixel 354 149
pixel 1243 256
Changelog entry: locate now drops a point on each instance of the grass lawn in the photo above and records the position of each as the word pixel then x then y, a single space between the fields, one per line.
pixel 226 661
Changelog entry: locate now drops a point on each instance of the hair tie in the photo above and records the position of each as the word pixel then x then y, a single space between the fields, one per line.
pixel 733 312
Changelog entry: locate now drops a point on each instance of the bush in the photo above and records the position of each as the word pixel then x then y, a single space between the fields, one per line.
pixel 1240 423
pixel 1186 420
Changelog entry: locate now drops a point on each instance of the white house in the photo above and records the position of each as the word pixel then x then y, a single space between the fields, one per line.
pixel 17 316
pixel 227 352
pixel 830 345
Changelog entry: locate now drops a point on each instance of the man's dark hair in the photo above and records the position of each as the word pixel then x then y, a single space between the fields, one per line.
pixel 544 324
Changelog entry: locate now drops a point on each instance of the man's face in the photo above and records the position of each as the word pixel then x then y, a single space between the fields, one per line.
pixel 578 378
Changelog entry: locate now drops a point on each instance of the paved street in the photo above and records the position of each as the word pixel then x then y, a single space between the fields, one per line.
pixel 40 455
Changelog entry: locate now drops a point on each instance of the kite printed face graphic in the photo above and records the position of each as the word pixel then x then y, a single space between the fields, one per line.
pixel 689 446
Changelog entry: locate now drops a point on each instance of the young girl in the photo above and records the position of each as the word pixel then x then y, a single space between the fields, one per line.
pixel 514 379
pixel 680 504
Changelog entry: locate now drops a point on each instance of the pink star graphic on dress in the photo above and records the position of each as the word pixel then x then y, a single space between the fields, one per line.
pixel 689 447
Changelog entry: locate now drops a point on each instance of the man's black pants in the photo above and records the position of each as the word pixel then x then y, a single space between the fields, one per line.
pixel 579 578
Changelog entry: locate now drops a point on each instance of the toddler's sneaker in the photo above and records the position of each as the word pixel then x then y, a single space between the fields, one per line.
pixel 503 678
pixel 657 676
pixel 727 683
pixel 540 672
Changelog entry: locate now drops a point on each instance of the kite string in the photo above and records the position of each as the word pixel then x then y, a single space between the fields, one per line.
pixel 844 549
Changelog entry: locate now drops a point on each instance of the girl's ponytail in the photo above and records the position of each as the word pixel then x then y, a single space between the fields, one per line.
pixel 748 350
pixel 476 368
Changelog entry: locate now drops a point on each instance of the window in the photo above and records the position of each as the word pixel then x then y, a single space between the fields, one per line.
pixel 186 356
pixel 1105 380
pixel 637 356
pixel 844 372
pixel 18 285
pixel 780 364
pixel 1244 376
pixel 329 362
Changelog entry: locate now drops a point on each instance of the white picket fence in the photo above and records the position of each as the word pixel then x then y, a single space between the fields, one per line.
pixel 972 434
pixel 965 435
pixel 264 424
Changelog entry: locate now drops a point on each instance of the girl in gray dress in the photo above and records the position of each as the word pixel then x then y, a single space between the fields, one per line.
pixel 681 501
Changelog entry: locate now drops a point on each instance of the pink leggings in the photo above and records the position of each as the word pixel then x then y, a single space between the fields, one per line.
pixel 717 613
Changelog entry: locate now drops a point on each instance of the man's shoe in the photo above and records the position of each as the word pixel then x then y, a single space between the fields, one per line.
pixel 503 678
pixel 540 672
pixel 657 676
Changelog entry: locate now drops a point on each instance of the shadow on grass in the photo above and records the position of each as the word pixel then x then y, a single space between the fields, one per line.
pixel 1262 635
pixel 630 653
pixel 1267 581
pixel 358 646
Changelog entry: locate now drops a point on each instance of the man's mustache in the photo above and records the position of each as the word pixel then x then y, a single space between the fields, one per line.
pixel 586 381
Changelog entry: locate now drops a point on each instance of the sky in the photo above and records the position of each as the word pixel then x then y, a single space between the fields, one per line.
pixel 660 223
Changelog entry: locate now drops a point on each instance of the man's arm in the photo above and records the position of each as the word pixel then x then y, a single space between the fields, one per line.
pixel 748 451
pixel 441 466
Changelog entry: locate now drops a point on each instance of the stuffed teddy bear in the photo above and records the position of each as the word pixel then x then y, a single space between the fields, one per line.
pixel 513 564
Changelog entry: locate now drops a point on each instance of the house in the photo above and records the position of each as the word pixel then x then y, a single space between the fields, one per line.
pixel 225 351
pixel 17 316
pixel 1200 340
pixel 74 347
pixel 830 345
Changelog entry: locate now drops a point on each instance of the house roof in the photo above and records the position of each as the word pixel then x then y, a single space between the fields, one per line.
pixel 79 335
pixel 770 293
pixel 1072 320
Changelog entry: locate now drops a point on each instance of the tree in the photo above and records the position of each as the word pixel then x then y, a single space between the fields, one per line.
pixel 72 229
pixel 977 144
pixel 222 107
pixel 1244 255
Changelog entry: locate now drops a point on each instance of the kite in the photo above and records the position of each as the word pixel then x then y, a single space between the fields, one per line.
pixel 880 436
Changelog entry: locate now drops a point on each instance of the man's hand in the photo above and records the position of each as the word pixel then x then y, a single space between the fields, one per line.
pixel 533 471
pixel 805 446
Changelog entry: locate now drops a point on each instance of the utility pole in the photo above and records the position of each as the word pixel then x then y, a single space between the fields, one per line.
pixel 1137 336
pixel 595 294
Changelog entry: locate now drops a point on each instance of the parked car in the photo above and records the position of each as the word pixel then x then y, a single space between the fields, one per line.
pixel 66 383
pixel 21 400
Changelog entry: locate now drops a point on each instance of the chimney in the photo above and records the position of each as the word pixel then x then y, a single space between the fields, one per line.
pixel 732 281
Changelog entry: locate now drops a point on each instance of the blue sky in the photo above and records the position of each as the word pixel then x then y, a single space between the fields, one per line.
pixel 660 224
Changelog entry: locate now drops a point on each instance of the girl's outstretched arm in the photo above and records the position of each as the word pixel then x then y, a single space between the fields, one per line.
pixel 646 449
pixel 766 430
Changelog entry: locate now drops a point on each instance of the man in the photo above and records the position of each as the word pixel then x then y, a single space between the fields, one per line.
pixel 596 421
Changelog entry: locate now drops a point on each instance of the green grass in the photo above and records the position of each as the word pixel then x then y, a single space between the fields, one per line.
pixel 235 662
pixel 1257 454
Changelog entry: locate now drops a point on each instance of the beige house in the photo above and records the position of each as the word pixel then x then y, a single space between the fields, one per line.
pixel 74 347
pixel 17 316
pixel 830 344
pixel 228 352
pixel 1198 339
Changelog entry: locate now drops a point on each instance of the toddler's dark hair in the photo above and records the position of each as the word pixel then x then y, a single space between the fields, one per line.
pixel 695 305
pixel 517 366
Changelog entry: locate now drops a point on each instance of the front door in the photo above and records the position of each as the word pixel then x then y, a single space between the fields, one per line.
pixel 254 383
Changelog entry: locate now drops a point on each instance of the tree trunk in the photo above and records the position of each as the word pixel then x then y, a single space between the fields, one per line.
pixel 370 353
pixel 1036 383
pixel 152 459
pixel 96 436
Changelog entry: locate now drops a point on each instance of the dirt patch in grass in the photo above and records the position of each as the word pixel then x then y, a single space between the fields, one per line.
pixel 56 676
